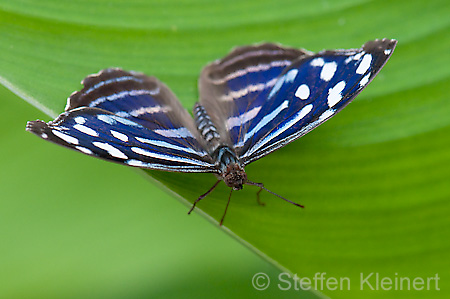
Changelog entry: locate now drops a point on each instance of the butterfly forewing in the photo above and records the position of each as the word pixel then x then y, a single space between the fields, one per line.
pixel 308 92
pixel 234 88
pixel 129 118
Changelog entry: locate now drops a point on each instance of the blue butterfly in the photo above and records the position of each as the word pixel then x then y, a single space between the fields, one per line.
pixel 252 102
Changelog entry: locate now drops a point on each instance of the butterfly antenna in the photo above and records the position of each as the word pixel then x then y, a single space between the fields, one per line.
pixel 261 185
pixel 226 208
pixel 203 196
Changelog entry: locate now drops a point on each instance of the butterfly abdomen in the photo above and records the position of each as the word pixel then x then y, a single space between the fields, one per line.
pixel 205 126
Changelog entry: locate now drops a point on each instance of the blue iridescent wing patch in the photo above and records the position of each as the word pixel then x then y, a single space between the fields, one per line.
pixel 308 91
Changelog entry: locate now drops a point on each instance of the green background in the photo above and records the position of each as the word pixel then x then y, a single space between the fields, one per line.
pixel 374 179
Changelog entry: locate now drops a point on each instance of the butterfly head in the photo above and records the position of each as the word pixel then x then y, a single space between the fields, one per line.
pixel 234 176
pixel 229 168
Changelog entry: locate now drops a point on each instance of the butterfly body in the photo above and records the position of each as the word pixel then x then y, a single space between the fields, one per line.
pixel 230 170
pixel 228 167
pixel 252 102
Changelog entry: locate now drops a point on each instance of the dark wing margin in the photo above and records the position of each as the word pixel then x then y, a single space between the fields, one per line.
pixel 129 118
pixel 233 88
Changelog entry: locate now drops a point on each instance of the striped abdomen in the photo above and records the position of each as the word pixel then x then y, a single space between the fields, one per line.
pixel 205 126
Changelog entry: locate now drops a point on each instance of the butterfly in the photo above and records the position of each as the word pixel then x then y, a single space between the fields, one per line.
pixel 253 101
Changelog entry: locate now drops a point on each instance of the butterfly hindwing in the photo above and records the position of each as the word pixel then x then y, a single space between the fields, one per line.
pixel 137 97
pixel 233 88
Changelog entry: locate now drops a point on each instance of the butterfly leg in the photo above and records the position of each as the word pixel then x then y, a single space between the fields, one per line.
pixel 261 187
pixel 203 196
pixel 258 199
pixel 226 208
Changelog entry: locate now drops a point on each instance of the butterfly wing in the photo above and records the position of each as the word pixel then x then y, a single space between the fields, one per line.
pixel 128 118
pixel 137 97
pixel 233 89
pixel 309 92
pixel 313 88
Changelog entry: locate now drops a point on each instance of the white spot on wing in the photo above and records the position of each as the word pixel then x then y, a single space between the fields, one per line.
pixel 327 114
pixel 84 150
pixel 334 94
pixel 305 110
pixel 328 71
pixel 136 163
pixel 44 135
pixel 317 62
pixel 80 120
pixel 166 145
pixel 277 86
pixel 126 93
pixel 299 116
pixel 358 56
pixel 106 118
pixel 65 137
pixel 85 130
pixel 251 69
pixel 290 76
pixel 236 121
pixel 119 135
pixel 233 95
pixel 266 119
pixel 161 156
pixel 110 149
pixel 122 114
pixel 364 80
pixel 150 110
pixel 68 103
pixel 387 51
pixel 174 133
pixel 144 110
pixel 302 92
pixel 113 80
pixel 365 64
pixel 125 121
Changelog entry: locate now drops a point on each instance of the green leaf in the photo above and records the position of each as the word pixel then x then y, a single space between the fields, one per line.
pixel 374 179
